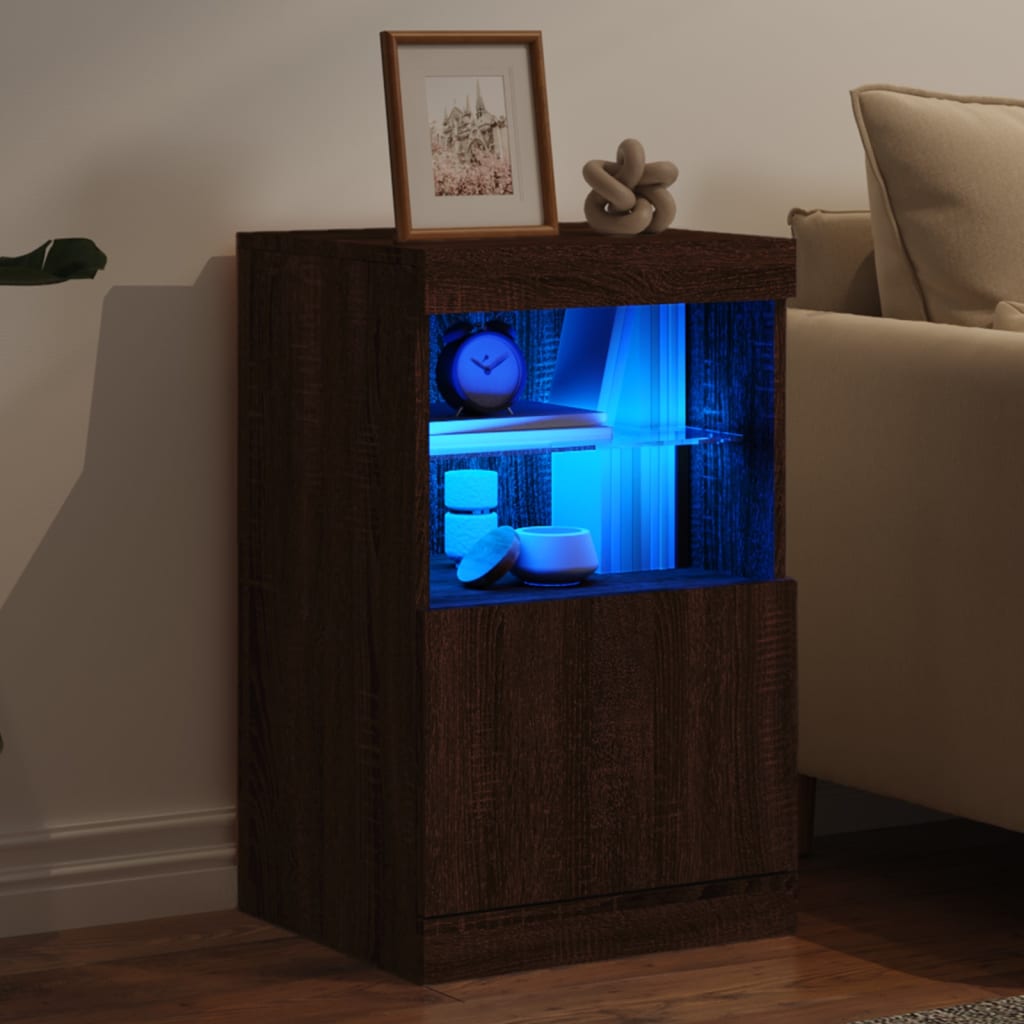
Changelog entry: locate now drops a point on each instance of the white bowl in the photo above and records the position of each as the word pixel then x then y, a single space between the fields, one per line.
pixel 555 555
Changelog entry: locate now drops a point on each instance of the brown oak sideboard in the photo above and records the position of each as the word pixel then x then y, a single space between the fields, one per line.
pixel 453 782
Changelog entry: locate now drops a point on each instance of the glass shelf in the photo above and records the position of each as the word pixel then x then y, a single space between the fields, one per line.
pixel 546 439
pixel 562 438
pixel 676 437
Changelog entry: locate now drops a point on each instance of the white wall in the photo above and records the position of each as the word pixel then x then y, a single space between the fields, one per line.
pixel 160 129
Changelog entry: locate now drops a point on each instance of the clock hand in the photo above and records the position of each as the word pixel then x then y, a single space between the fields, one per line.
pixel 488 367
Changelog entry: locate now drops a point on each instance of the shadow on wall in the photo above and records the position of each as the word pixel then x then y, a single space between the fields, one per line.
pixel 117 644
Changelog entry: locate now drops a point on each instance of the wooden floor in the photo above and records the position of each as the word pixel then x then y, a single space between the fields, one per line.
pixel 890 921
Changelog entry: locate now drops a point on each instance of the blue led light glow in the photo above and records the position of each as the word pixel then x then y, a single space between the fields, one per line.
pixel 671 382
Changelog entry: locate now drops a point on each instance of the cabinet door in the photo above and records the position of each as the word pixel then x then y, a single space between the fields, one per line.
pixel 607 744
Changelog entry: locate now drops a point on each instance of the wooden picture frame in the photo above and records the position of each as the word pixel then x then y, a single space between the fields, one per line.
pixel 468 134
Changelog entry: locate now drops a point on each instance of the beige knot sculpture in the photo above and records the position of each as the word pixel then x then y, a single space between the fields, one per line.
pixel 629 197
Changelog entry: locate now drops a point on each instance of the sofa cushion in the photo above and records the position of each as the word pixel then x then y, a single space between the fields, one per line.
pixel 835 263
pixel 1009 316
pixel 946 190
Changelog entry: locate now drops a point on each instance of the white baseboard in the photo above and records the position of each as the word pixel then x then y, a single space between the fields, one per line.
pixel 109 871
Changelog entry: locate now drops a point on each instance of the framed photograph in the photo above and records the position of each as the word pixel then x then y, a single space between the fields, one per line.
pixel 469 136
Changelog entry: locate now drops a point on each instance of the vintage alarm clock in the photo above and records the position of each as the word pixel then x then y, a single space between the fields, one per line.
pixel 481 370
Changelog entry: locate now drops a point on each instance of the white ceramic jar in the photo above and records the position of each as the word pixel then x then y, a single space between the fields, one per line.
pixel 471 502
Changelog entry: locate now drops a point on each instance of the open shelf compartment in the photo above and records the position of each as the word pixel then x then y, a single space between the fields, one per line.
pixel 652 426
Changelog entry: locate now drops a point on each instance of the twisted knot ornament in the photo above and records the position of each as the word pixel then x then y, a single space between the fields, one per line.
pixel 629 197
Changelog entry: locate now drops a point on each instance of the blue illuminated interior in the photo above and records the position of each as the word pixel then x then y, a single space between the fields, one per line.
pixel 665 376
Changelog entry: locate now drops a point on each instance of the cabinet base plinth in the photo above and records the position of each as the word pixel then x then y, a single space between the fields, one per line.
pixel 576 931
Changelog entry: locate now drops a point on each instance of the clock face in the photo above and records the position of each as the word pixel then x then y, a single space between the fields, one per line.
pixel 488 371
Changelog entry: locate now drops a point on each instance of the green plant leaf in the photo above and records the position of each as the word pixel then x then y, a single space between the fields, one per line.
pixel 59 260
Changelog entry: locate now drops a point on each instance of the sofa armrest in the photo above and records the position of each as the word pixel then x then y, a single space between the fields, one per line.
pixel 905 533
pixel 835 261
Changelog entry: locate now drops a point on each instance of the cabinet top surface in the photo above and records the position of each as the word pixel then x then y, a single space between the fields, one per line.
pixel 571 236
pixel 576 267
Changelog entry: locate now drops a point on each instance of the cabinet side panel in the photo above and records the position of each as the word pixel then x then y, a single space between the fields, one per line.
pixel 607 745
pixel 377 444
pixel 280 496
pixel 327 530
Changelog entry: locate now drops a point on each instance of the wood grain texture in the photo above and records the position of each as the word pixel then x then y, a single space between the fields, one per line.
pixel 331 442
pixel 578 267
pixel 398 764
pixel 476 945
pixel 732 386
pixel 77 947
pixel 259 981
pixel 586 269
pixel 606 746
pixel 889 922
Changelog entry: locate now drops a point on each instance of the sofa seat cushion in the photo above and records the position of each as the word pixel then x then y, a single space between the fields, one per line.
pixel 946 190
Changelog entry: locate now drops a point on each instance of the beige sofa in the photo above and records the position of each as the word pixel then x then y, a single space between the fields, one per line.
pixel 905 475
pixel 905 532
